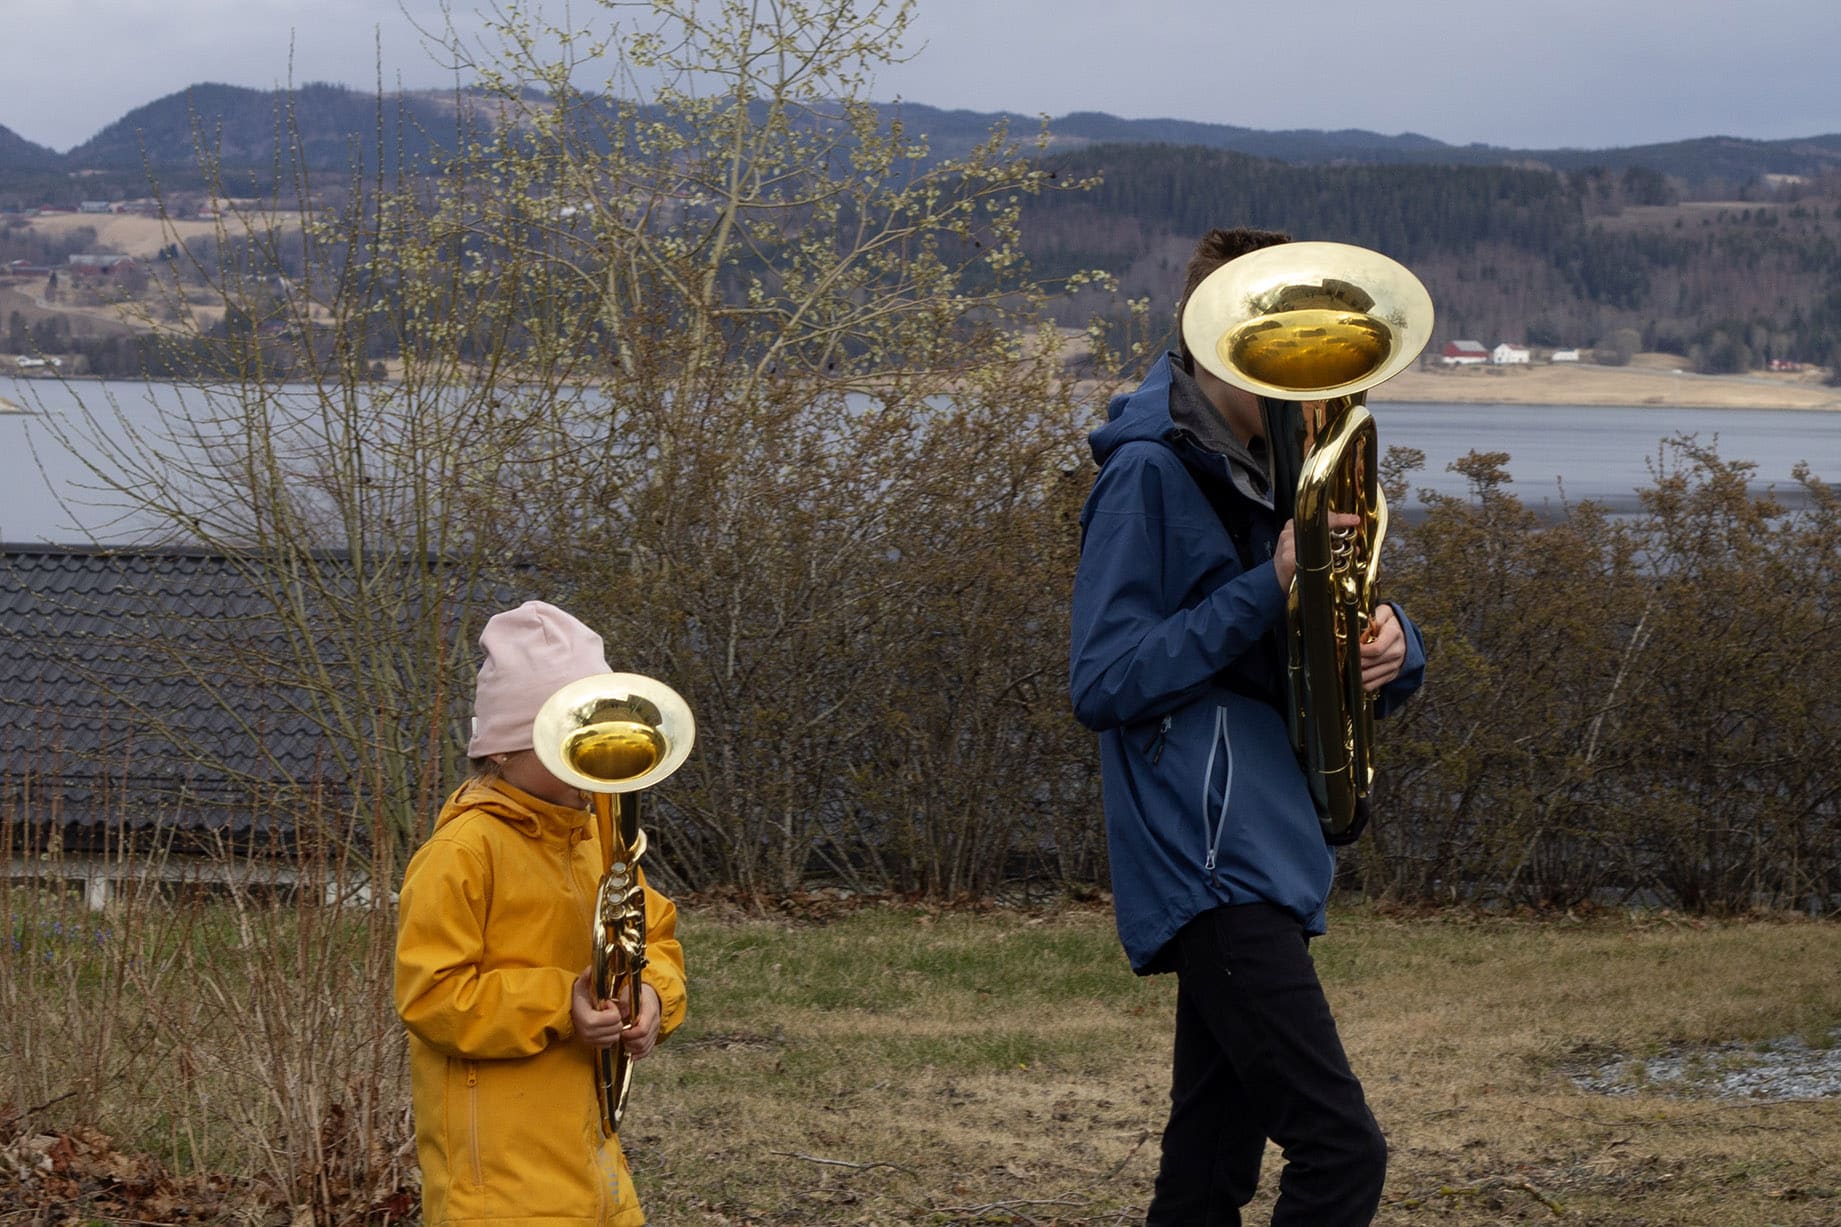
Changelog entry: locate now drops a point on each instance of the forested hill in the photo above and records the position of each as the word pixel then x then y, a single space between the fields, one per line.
pixel 1583 258
pixel 17 153
pixel 1712 166
pixel 237 128
pixel 325 126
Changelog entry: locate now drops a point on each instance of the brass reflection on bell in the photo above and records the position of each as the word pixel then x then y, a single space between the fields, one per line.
pixel 616 749
pixel 613 732
pixel 1309 352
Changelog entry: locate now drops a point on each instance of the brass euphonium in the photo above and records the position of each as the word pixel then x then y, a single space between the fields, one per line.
pixel 612 735
pixel 1309 328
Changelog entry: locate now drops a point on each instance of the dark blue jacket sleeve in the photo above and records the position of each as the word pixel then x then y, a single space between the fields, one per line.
pixel 1132 655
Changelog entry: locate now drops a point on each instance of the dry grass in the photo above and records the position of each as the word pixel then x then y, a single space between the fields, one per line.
pixel 898 1066
pixel 134 234
pixel 1651 380
pixel 993 1069
pixel 1662 380
pixel 240 1054
pixel 143 237
pixel 1467 1035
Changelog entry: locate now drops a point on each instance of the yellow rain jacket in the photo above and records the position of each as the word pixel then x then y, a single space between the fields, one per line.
pixel 494 926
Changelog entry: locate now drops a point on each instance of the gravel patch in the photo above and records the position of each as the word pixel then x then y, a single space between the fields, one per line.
pixel 1780 1070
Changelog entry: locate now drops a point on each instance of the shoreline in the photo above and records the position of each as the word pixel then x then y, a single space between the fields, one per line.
pixel 1651 381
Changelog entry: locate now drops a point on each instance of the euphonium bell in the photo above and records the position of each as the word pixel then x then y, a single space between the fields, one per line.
pixel 1309 328
pixel 612 735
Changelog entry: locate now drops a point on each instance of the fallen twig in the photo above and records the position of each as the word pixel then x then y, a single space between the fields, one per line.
pixel 1527 1186
pixel 1118 1167
pixel 861 1167
pixel 1524 1185
pixel 1015 1207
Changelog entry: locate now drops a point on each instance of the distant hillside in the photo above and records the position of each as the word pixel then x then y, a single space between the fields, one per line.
pixel 1552 259
pixel 1291 145
pixel 336 127
pixel 1713 165
pixel 17 153
pixel 324 127
pixel 952 132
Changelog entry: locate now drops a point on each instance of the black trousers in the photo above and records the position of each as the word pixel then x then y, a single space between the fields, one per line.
pixel 1257 1057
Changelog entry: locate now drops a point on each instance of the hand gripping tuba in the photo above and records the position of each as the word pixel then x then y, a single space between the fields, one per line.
pixel 1309 328
pixel 612 735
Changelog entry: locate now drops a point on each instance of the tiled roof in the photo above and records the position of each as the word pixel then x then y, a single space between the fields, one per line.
pixel 132 695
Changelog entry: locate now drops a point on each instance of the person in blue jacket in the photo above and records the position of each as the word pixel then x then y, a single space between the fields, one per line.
pixel 1220 871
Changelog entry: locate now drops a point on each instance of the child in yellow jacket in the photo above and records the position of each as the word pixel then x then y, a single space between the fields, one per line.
pixel 494 938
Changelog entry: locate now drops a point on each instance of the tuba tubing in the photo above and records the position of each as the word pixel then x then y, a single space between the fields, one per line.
pixel 1309 328
pixel 612 735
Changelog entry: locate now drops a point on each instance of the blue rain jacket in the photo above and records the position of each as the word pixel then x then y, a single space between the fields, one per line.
pixel 1177 662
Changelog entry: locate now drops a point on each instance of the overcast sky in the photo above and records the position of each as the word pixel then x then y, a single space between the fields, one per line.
pixel 1578 73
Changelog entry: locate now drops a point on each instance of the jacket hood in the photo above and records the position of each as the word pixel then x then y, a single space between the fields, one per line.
pixel 514 807
pixel 1143 414
pixel 1169 408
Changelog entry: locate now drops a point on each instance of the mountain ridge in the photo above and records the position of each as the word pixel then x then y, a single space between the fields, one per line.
pixel 242 127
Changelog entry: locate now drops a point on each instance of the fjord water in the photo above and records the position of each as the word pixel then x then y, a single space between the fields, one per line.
pixel 1559 455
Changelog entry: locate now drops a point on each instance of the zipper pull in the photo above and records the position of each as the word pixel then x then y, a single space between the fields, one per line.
pixel 1156 747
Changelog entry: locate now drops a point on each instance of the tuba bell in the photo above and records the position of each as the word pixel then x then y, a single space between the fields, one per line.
pixel 1309 328
pixel 612 735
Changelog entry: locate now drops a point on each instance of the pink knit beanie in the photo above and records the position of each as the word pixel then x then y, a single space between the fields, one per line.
pixel 531 652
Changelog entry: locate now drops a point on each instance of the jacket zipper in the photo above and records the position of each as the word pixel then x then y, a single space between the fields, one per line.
pixel 576 838
pixel 479 1175
pixel 1216 825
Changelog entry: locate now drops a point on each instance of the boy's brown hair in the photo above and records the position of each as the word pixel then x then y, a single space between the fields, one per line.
pixel 1213 250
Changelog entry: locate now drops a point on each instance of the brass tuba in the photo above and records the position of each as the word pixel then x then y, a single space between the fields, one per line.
pixel 612 735
pixel 1309 328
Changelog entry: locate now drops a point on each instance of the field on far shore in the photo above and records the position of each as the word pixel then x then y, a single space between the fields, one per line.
pixel 135 234
pixel 1650 379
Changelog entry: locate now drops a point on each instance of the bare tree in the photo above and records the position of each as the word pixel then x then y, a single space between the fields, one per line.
pixel 830 409
pixel 363 518
pixel 711 348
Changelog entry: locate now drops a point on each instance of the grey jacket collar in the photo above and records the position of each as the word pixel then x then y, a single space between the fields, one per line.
pixel 1194 416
